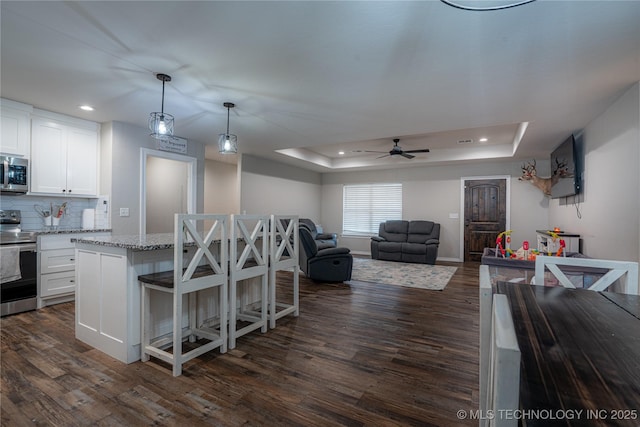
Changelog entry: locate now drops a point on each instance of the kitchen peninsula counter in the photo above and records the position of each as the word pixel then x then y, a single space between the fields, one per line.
pixel 108 292
pixel 67 230
pixel 138 242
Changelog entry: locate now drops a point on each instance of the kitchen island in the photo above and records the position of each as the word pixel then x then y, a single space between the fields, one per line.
pixel 108 294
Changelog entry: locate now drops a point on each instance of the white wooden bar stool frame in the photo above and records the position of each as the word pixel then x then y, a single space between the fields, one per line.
pixel 283 254
pixel 624 271
pixel 184 283
pixel 255 249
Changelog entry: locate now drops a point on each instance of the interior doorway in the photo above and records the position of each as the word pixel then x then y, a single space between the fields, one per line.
pixel 167 187
pixel 486 213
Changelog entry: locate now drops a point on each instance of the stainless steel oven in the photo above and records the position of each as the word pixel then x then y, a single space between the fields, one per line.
pixel 19 281
pixel 14 173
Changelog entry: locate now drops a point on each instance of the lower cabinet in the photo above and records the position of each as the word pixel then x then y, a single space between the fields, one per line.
pixel 108 297
pixel 56 268
pixel 101 301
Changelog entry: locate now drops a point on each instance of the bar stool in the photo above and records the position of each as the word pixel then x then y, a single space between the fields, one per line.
pixel 283 255
pixel 196 268
pixel 248 258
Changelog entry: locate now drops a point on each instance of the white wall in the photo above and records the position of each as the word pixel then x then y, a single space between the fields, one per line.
pixel 124 163
pixel 221 188
pixel 610 222
pixel 167 193
pixel 434 192
pixel 276 188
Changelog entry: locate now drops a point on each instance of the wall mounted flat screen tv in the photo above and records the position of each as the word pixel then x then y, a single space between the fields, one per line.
pixel 565 177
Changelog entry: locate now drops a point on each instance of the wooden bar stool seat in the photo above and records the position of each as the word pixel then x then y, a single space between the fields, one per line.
pixel 196 268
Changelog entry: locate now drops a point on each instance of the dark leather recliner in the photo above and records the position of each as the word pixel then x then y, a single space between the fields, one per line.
pixel 323 240
pixel 323 265
pixel 407 241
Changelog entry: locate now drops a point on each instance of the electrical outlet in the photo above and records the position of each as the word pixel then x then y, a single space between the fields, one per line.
pixel 124 211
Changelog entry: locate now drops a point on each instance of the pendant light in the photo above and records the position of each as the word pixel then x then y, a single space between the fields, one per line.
pixel 228 143
pixel 161 124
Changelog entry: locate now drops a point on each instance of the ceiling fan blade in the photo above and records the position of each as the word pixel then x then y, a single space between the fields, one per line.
pixel 367 151
pixel 386 155
pixel 405 155
pixel 425 150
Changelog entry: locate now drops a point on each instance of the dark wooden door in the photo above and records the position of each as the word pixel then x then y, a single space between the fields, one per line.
pixel 485 215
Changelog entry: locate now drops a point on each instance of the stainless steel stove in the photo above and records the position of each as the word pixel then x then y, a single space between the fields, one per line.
pixel 18 288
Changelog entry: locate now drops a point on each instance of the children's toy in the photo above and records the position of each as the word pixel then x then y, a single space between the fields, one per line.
pixel 499 249
pixel 557 243
pixel 526 253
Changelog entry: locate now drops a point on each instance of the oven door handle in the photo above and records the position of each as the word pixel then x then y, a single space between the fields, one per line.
pixel 29 247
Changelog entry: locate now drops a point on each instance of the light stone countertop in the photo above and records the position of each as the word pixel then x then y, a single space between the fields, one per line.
pixel 138 242
pixel 67 230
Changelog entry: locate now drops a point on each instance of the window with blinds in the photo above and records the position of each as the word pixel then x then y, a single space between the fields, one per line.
pixel 365 206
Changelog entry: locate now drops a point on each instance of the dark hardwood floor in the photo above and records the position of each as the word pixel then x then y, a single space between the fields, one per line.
pixel 359 354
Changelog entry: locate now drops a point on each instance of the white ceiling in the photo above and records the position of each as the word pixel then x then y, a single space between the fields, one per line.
pixel 313 78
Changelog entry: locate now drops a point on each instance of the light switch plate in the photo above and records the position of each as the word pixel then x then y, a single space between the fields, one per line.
pixel 124 211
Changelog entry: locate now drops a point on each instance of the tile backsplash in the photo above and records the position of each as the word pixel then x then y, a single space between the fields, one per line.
pixel 72 218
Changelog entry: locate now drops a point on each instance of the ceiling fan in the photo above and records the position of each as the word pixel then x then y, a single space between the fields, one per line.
pixel 396 150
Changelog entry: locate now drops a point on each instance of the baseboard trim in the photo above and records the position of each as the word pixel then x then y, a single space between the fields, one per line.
pixel 361 253
pixel 447 259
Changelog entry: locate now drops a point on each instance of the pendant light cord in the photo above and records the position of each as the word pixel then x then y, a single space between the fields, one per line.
pixel 162 105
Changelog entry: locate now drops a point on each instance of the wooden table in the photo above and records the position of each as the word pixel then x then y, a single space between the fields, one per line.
pixel 580 355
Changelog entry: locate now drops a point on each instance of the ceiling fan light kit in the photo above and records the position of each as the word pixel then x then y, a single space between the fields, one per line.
pixel 227 142
pixel 161 123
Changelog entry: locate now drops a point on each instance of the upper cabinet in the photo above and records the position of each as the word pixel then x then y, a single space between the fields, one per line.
pixel 15 131
pixel 64 155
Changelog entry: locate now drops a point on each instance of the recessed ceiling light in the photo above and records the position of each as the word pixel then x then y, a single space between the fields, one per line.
pixel 483 139
pixel 86 107
pixel 341 152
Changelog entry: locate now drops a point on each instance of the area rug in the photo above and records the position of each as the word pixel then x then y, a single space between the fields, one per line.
pixel 423 276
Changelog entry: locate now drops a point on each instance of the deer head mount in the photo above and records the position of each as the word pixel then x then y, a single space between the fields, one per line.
pixel 529 173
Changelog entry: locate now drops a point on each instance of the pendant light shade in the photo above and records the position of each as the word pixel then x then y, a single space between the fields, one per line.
pixel 228 143
pixel 161 124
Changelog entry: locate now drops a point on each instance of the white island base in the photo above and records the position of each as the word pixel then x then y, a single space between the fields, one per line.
pixel 108 292
pixel 108 296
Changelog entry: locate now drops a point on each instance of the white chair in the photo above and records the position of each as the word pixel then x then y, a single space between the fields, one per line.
pixel 283 254
pixel 201 270
pixel 503 393
pixel 625 272
pixel 248 258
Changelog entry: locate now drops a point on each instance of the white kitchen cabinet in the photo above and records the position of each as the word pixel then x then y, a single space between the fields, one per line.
pixel 15 129
pixel 103 315
pixel 56 267
pixel 64 156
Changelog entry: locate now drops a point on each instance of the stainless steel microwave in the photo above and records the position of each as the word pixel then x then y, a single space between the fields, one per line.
pixel 15 174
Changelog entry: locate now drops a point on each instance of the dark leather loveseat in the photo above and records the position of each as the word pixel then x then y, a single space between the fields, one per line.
pixel 407 241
